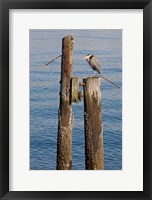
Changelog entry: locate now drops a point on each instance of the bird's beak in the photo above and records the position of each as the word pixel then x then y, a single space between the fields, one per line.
pixel 84 58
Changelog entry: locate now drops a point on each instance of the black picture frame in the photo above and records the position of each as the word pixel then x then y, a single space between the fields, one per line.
pixel 5 5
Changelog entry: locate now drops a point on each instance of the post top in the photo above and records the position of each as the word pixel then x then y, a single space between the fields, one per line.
pixel 68 37
pixel 91 77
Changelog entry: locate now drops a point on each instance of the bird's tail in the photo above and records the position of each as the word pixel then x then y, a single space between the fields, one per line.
pixel 98 71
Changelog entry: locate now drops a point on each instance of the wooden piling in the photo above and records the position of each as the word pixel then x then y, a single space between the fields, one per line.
pixel 64 143
pixel 93 124
pixel 74 89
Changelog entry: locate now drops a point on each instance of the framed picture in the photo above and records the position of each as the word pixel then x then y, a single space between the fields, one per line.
pixel 75 120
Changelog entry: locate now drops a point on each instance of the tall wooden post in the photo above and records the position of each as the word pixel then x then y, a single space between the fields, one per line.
pixel 64 143
pixel 93 124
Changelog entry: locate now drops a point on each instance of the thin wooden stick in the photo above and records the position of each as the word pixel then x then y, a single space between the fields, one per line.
pixel 52 60
pixel 108 80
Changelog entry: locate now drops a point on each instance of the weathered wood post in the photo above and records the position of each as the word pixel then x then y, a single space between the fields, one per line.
pixel 93 124
pixel 64 143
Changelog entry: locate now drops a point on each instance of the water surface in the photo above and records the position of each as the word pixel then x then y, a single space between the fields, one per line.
pixel 44 95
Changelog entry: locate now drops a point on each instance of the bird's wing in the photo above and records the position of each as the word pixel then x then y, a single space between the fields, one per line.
pixel 95 63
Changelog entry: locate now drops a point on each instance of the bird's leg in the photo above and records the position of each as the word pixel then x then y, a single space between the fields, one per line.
pixel 94 73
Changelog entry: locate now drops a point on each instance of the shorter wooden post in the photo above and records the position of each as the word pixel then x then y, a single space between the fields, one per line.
pixel 93 124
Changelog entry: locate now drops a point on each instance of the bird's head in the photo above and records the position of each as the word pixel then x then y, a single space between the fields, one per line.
pixel 88 56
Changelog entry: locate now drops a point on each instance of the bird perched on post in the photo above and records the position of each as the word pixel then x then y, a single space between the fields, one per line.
pixel 93 62
pixel 95 65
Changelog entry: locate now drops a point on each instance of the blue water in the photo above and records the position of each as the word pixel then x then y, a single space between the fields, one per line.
pixel 44 95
